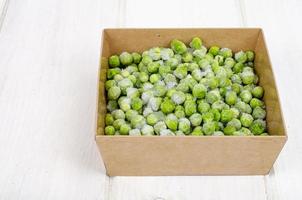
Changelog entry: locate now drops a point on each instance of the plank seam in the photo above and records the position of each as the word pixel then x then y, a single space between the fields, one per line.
pixel 242 13
pixel 3 13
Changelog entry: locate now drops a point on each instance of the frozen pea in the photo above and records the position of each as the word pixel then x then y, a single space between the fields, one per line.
pixel 208 116
pixel 225 52
pixel 109 84
pixel 213 96
pixel 199 53
pixel 247 77
pixel 190 107
pixel 136 103
pixel 132 78
pixel 243 107
pixel 159 90
pixel 146 60
pixel 181 71
pixel 153 67
pixel 238 67
pixel 136 57
pixel 240 57
pixel 114 61
pixel 214 50
pixel 146 86
pixel 203 107
pixel 231 98
pixel 230 62
pixel 203 63
pixel 114 93
pixel 229 130
pixel 112 72
pixel 250 56
pixel 170 92
pixel 118 114
pixel 197 74
pixel 166 132
pixel 147 130
pixel 178 46
pixel 124 129
pixel 124 103
pixel 235 123
pixel 227 115
pixel 143 77
pixel 138 121
pixel 184 125
pixel 109 130
pixel 184 87
pixel 167 106
pixel 246 119
pixel 248 87
pixel 146 95
pixel 216 114
pixel 159 126
pixel 235 78
pixel 118 77
pixel 124 84
pixel 152 119
pixel 235 111
pixel 187 57
pixel 118 123
pixel 178 97
pixel 197 131
pixel 172 62
pixel 219 105
pixel 125 73
pixel 179 112
pixel 259 113
pixel 220 59
pixel 246 96
pixel 108 119
pixel 155 78
pixel 132 93
pixel 166 53
pixel 126 58
pixel 171 122
pixel 163 70
pixel 130 114
pixel 256 102
pixel 154 103
pixel 258 92
pixel 192 66
pixel 196 43
pixel 199 91
pixel 155 53
pixel 112 105
pixel 209 127
pixel 135 132
pixel 218 133
pixel 196 119
pixel 236 88
pixel 258 126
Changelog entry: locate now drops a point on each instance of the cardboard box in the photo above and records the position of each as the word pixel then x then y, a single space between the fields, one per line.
pixel 192 155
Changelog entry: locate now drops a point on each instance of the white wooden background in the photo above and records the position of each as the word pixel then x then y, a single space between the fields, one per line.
pixel 49 53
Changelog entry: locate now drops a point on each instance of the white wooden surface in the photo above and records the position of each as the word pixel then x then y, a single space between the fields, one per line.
pixel 48 62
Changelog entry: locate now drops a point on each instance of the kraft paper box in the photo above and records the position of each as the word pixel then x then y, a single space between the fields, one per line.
pixel 191 155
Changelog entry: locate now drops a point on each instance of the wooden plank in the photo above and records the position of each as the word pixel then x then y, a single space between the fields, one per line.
pixel 280 21
pixel 49 54
pixel 184 14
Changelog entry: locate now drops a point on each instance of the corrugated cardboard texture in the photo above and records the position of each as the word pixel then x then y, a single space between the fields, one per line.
pixel 190 155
